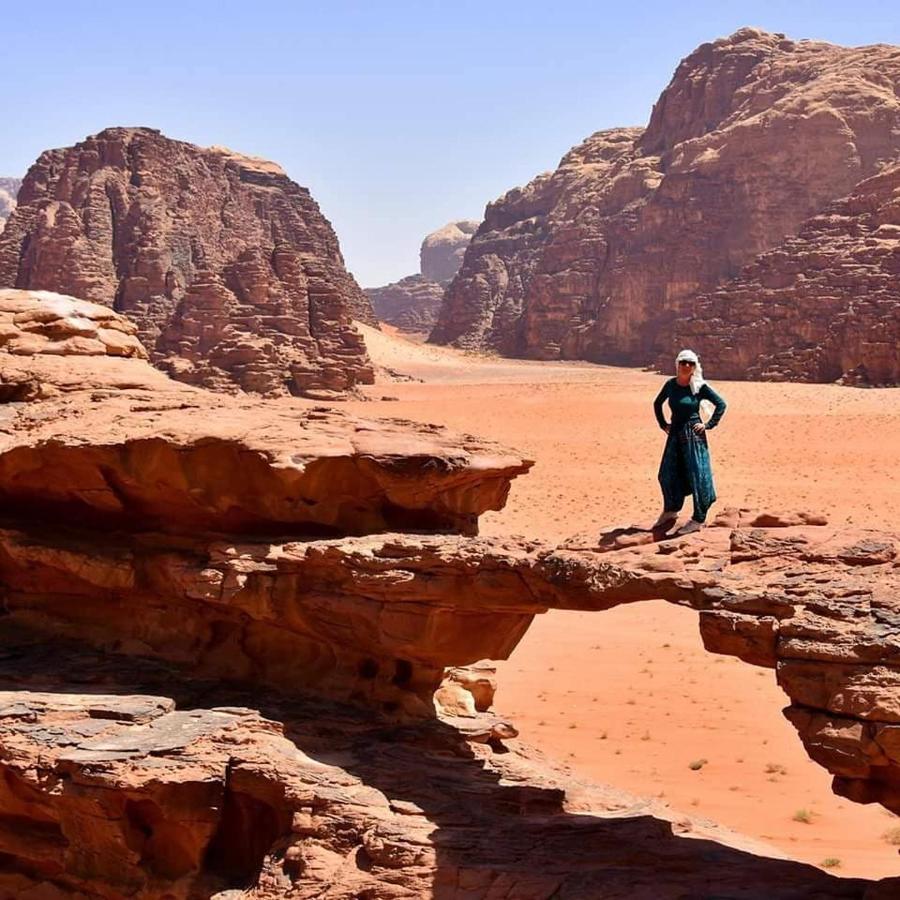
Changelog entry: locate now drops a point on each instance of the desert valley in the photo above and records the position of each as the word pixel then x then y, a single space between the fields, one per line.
pixel 321 592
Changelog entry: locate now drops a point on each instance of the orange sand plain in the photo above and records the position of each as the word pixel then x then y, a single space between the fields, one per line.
pixel 629 697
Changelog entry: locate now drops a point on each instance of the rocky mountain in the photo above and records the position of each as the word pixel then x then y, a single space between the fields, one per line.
pixel 442 251
pixel 229 269
pixel 755 134
pixel 821 306
pixel 412 303
pixel 9 188
pixel 241 644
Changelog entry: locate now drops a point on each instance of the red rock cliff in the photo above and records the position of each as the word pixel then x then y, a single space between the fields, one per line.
pixel 754 134
pixel 229 269
pixel 822 306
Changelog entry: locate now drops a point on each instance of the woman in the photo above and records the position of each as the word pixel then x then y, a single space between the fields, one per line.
pixel 685 467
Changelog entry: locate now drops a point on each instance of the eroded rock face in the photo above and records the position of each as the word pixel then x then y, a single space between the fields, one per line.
pixel 115 442
pixel 442 251
pixel 119 792
pixel 189 597
pixel 9 188
pixel 754 134
pixel 412 304
pixel 229 269
pixel 822 306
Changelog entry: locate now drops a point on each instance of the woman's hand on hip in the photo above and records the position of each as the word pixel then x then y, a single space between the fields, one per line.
pixel 699 428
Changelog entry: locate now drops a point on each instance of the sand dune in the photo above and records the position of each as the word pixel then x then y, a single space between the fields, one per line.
pixel 629 696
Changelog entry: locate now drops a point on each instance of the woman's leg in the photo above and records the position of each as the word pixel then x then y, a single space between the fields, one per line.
pixel 671 480
pixel 703 491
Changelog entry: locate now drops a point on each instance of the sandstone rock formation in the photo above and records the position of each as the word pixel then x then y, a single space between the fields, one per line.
pixel 114 790
pixel 412 303
pixel 822 306
pixel 754 134
pixel 229 269
pixel 9 188
pixel 442 251
pixel 192 590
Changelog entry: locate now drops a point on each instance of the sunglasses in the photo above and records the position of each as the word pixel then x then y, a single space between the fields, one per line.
pixel 685 362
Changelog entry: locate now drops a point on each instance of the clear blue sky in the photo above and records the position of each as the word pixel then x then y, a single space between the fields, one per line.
pixel 399 116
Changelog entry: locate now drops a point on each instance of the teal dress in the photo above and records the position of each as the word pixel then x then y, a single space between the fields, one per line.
pixel 685 467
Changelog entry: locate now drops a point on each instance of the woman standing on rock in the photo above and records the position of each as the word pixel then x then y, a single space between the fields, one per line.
pixel 685 467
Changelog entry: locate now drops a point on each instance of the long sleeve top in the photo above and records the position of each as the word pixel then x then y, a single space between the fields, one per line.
pixel 683 404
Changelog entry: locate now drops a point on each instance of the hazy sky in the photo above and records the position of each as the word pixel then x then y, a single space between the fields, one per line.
pixel 398 116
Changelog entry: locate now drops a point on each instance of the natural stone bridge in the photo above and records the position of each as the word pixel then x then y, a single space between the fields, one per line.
pixel 228 627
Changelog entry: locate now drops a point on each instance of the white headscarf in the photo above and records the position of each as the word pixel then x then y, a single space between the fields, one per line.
pixel 697 375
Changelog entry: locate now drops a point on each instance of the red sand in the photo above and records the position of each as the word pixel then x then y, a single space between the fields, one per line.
pixel 630 697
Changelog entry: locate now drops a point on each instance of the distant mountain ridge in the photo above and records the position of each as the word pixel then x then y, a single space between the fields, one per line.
pixel 9 188
pixel 412 303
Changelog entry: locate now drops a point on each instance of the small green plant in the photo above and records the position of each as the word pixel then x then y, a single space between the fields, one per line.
pixel 892 836
pixel 804 816
pixel 697 764
pixel 831 862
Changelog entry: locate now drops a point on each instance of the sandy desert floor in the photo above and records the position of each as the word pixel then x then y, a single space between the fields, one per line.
pixel 630 697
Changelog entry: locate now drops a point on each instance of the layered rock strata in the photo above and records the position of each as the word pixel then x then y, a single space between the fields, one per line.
pixel 754 134
pixel 141 782
pixel 412 303
pixel 229 269
pixel 9 188
pixel 187 596
pixel 822 306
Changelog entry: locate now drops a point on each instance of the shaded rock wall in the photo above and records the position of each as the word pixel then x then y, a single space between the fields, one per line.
pixel 822 306
pixel 410 304
pixel 115 790
pixel 229 269
pixel 754 134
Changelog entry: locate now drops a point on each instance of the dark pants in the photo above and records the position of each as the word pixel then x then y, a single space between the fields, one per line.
pixel 685 470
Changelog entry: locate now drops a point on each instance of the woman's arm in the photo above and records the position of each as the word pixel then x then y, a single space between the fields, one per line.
pixel 707 393
pixel 658 406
